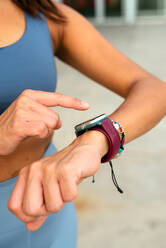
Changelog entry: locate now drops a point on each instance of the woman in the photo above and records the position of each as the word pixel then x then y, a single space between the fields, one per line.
pixel 37 183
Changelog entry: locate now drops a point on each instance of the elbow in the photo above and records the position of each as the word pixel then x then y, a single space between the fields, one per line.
pixel 149 85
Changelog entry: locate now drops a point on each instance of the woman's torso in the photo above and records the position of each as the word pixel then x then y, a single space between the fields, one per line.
pixel 26 57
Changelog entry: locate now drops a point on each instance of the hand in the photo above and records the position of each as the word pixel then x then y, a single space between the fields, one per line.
pixel 46 185
pixel 29 116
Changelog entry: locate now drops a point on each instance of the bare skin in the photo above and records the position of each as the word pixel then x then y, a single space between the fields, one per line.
pixel 32 148
pixel 59 175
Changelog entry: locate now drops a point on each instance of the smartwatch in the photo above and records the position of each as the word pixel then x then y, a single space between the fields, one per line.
pixel 103 124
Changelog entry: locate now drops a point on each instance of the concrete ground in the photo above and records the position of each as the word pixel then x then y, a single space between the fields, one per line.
pixel 138 217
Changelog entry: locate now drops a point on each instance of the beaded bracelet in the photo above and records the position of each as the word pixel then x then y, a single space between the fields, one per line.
pixel 120 130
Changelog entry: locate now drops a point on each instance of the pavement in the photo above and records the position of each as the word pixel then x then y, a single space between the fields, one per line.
pixel 138 217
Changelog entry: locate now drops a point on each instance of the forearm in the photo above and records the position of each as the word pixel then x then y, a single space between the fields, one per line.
pixel 143 108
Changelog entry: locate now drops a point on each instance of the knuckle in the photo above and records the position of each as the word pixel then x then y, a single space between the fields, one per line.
pixel 41 130
pixel 22 171
pixel 70 196
pixel 27 92
pixel 33 169
pixel 15 125
pixel 65 170
pixel 13 207
pixel 18 114
pixel 55 120
pixel 18 118
pixel 29 211
pixel 21 101
pixel 48 175
pixel 55 116
pixel 34 166
pixel 54 209
pixel 48 170
pixel 41 127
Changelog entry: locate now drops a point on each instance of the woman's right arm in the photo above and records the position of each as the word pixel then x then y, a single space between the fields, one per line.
pixel 29 115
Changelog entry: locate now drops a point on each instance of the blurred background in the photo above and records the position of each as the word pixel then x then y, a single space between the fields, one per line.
pixel 126 10
pixel 138 217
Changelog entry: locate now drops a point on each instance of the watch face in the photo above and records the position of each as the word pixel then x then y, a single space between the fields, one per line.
pixel 90 123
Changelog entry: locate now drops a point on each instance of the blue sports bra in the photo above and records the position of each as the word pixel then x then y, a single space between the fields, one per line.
pixel 28 63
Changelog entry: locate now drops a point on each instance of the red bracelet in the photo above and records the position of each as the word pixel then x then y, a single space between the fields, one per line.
pixel 113 137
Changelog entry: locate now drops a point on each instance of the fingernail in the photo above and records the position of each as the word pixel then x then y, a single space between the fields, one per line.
pixel 85 104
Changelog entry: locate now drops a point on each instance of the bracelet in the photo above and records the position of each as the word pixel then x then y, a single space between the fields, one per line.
pixel 120 129
pixel 113 137
pixel 113 153
pixel 121 132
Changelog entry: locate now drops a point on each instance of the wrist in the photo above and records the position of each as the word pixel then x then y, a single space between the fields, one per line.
pixel 108 132
pixel 96 138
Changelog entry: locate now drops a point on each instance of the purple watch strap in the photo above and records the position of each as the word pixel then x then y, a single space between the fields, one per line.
pixel 113 137
pixel 108 156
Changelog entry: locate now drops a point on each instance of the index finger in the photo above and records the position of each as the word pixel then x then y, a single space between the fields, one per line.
pixel 52 99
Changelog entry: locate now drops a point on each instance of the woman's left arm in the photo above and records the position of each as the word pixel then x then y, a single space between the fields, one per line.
pixel 85 49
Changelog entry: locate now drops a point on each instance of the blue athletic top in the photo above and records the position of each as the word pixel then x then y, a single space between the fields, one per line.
pixel 28 63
